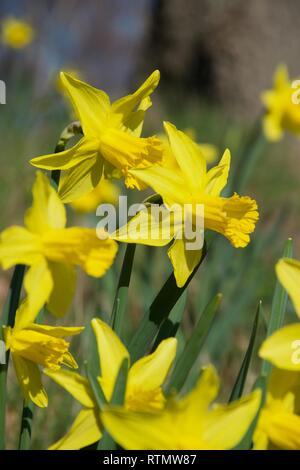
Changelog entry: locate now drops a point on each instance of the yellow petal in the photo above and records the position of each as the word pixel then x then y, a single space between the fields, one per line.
pixel 105 192
pixel 80 246
pixel 148 228
pixel 83 150
pixel 38 284
pixel 90 104
pixel 47 211
pixel 282 348
pixel 226 425
pixel 19 246
pixel 80 179
pixel 216 178
pixel 57 331
pixel 184 261
pixel 111 354
pixel 288 272
pixel 140 431
pixel 75 384
pixel 282 428
pixel 29 377
pixel 124 106
pixel 282 382
pixel 147 375
pixel 188 156
pixel 84 431
pixel 64 280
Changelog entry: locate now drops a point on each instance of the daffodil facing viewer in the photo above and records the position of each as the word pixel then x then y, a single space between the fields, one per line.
pixel 52 251
pixel 33 345
pixel 143 389
pixel 111 144
pixel 16 33
pixel 188 423
pixel 191 185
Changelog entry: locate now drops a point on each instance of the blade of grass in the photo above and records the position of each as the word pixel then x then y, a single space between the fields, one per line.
pixel 238 387
pixel 120 302
pixel 278 310
pixel 193 345
pixel 159 310
pixel 117 399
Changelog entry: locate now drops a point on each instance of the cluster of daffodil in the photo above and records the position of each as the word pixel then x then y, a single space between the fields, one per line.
pixel 146 415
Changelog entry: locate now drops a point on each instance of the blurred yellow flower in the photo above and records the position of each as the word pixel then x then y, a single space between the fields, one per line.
pixel 111 144
pixel 282 348
pixel 278 425
pixel 105 192
pixel 234 217
pixel 190 423
pixel 32 345
pixel 282 105
pixel 16 33
pixel 52 251
pixel 143 389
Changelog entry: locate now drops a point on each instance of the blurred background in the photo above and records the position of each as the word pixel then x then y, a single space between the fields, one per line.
pixel 215 57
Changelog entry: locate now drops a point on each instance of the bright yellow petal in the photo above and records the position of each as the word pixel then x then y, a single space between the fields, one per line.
pixel 19 246
pixel 64 281
pixel 47 211
pixel 75 384
pixel 188 156
pixel 105 192
pixel 81 179
pixel 282 348
pixel 226 425
pixel 184 261
pixel 148 228
pixel 84 431
pixel 57 331
pixel 282 382
pixel 90 104
pixel 29 377
pixel 216 178
pixel 147 375
pixel 82 247
pixel 288 273
pixel 111 354
pixel 83 150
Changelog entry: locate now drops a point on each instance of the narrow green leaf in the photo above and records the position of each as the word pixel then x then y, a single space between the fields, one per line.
pixel 120 302
pixel 95 386
pixel 159 310
pixel 238 387
pixel 194 345
pixel 279 304
pixel 26 425
pixel 117 399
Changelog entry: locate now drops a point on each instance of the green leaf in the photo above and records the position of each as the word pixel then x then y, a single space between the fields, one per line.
pixel 159 310
pixel 279 304
pixel 194 345
pixel 238 387
pixel 120 302
pixel 96 387
pixel 26 425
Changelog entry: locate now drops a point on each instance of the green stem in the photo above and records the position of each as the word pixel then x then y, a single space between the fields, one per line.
pixel 26 425
pixel 120 302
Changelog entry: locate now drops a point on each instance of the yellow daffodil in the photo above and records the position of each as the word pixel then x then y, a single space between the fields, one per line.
pixel 33 345
pixel 143 389
pixel 16 33
pixel 52 251
pixel 234 217
pixel 105 192
pixel 282 106
pixel 278 426
pixel 189 423
pixel 282 348
pixel 111 143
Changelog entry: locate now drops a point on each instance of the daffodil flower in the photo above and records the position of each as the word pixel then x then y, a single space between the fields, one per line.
pixel 16 33
pixel 111 143
pixel 278 425
pixel 52 251
pixel 105 192
pixel 189 423
pixel 33 345
pixel 143 389
pixel 282 348
pixel 282 105
pixel 234 217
